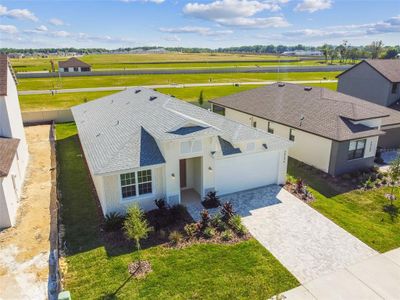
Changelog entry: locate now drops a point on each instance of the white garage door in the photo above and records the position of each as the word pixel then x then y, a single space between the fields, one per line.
pixel 245 172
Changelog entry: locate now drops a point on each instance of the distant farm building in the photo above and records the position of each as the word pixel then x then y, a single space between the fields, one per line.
pixel 73 65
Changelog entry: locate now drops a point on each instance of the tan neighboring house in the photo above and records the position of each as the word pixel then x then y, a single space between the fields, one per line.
pixel 331 131
pixel 377 81
pixel 73 65
pixel 13 147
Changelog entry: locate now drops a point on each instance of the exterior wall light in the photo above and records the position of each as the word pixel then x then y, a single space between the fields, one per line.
pixel 210 169
pixel 173 175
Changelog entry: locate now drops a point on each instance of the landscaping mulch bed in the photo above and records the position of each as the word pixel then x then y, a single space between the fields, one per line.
pixel 139 269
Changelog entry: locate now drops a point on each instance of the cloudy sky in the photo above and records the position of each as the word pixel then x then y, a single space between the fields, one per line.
pixel 205 23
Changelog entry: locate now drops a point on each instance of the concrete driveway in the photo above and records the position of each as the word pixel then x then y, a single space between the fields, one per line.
pixel 308 244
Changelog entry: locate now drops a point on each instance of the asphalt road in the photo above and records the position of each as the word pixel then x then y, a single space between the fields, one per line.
pixel 121 88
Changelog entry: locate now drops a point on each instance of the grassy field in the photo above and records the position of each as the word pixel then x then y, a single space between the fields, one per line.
pixel 245 270
pixel 169 60
pixel 132 80
pixel 190 94
pixel 358 212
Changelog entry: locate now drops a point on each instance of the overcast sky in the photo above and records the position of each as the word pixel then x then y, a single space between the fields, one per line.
pixel 208 23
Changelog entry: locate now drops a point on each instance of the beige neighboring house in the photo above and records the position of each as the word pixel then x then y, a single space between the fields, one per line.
pixel 377 81
pixel 13 146
pixel 73 65
pixel 141 145
pixel 331 131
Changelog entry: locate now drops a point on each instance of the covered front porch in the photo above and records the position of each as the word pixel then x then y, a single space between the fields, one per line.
pixel 244 202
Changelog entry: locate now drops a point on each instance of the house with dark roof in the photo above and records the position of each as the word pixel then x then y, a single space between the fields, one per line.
pixel 141 145
pixel 331 131
pixel 73 65
pixel 13 147
pixel 377 81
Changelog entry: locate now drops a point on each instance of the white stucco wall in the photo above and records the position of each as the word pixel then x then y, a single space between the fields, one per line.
pixel 9 196
pixel 308 148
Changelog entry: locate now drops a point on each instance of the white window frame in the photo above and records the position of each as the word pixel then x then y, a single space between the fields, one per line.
pixel 191 146
pixel 137 196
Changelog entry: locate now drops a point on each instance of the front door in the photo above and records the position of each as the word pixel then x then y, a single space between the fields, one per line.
pixel 182 172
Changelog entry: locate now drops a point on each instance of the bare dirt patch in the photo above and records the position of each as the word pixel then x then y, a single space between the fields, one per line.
pixel 24 249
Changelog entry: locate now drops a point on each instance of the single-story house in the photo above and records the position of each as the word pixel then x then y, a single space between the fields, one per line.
pixel 333 132
pixel 377 81
pixel 73 65
pixel 13 147
pixel 141 145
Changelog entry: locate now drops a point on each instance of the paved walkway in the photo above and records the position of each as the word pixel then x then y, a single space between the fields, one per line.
pixel 121 88
pixel 308 244
pixel 377 277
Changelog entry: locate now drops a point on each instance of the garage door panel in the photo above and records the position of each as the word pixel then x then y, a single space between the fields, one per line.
pixel 244 172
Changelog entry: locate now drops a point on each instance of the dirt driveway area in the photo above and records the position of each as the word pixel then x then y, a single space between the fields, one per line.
pixel 24 249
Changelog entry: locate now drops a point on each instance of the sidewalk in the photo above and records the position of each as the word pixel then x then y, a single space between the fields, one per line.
pixel 377 277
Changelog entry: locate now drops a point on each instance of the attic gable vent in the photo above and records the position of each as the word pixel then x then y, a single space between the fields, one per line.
pixel 137 91
pixel 307 88
pixel 153 98
pixel 281 84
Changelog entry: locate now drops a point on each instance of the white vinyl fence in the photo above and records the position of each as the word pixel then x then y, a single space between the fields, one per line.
pixel 58 116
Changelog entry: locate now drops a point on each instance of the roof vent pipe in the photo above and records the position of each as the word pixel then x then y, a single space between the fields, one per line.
pixel 152 98
pixel 137 91
pixel 307 88
pixel 281 84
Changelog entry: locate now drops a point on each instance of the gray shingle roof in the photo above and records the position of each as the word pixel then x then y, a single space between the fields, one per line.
pixel 112 128
pixel 323 112
pixel 73 62
pixel 8 149
pixel 388 68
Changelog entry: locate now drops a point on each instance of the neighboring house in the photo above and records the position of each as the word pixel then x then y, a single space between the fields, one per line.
pixel 333 132
pixel 13 147
pixel 141 145
pixel 377 81
pixel 73 65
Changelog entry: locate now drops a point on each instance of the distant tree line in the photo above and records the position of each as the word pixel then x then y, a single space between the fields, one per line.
pixel 343 52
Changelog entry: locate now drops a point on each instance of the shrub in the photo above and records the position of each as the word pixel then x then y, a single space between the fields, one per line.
pixel 299 185
pixel 218 223
pixel 161 204
pixel 368 184
pixel 211 200
pixel 209 232
pixel 227 235
pixel 236 223
pixel 346 177
pixel 178 211
pixel 227 211
pixel 175 237
pixel 113 221
pixel 205 218
pixel 191 230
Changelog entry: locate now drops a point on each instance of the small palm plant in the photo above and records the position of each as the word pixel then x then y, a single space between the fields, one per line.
pixel 136 226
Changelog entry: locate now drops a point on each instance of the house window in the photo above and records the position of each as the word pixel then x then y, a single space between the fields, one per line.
pixel 144 180
pixel 219 109
pixel 270 130
pixel 394 88
pixel 76 69
pixel 356 149
pixel 291 136
pixel 128 185
pixel 136 183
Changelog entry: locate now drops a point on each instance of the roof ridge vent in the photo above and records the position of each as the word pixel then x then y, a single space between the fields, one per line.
pixel 281 84
pixel 137 91
pixel 152 98
pixel 308 88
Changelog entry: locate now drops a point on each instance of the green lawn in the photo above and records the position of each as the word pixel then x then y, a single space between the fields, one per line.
pixel 57 101
pixel 358 212
pixel 131 80
pixel 191 94
pixel 159 61
pixel 209 271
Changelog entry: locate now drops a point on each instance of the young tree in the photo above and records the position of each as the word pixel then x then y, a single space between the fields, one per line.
pixel 325 51
pixel 136 226
pixel 394 173
pixel 201 98
pixel 376 49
